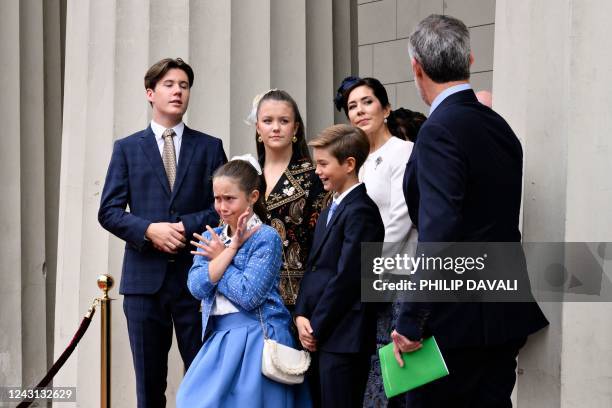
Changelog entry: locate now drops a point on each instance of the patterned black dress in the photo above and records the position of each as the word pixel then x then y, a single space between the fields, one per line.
pixel 293 207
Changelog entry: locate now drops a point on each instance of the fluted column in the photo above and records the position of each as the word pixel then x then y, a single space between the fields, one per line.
pixel 32 116
pixel 53 44
pixel 87 128
pixel 10 191
pixel 320 74
pixel 345 38
pixel 24 314
pixel 551 82
pixel 210 106
pixel 242 48
pixel 249 67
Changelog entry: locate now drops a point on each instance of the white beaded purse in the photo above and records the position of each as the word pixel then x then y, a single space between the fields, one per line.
pixel 282 363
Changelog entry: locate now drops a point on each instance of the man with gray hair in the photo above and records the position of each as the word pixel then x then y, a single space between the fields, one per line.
pixel 462 184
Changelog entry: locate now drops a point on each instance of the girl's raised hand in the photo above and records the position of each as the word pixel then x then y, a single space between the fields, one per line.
pixel 242 234
pixel 210 248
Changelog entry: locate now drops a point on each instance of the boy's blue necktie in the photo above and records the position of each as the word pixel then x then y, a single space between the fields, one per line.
pixel 332 209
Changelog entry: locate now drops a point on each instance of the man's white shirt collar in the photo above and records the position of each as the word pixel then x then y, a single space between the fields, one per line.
pixel 446 93
pixel 158 131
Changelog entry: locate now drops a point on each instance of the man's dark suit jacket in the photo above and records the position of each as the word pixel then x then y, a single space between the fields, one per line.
pixel 137 179
pixel 463 184
pixel 330 292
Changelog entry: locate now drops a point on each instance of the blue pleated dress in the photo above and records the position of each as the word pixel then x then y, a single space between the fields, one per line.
pixel 227 370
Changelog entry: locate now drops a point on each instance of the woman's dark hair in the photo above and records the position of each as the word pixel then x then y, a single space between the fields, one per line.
pixel 300 148
pixel 248 180
pixel 350 83
pixel 405 123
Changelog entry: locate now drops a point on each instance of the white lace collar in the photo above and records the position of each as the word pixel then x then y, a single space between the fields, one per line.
pixel 251 223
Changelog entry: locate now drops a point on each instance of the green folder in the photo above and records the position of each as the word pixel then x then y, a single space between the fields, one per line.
pixel 420 367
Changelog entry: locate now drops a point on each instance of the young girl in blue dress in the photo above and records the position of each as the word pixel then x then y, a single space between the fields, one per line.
pixel 236 274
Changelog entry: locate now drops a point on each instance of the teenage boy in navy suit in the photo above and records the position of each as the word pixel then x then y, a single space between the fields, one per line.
pixel 163 174
pixel 330 317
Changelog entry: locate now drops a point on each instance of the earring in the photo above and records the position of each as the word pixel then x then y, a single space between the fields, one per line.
pixel 259 139
pixel 385 120
pixel 294 139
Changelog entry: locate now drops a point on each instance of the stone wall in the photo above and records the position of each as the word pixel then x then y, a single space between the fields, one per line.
pixel 552 84
pixel 385 25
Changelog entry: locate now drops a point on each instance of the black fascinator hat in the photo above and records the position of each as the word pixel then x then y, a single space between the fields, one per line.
pixel 346 84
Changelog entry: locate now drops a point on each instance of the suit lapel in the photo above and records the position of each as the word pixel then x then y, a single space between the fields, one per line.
pixel 323 231
pixel 151 150
pixel 319 231
pixel 411 188
pixel 185 156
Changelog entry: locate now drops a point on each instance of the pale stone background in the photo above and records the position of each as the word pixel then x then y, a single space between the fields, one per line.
pixel 384 28
pixel 72 73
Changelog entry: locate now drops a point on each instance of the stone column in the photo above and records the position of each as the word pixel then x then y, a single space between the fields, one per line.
pixel 345 27
pixel 24 314
pixel 88 128
pixel 249 68
pixel 319 66
pixel 32 198
pixel 210 106
pixel 10 205
pixel 551 83
pixel 54 12
pixel 237 49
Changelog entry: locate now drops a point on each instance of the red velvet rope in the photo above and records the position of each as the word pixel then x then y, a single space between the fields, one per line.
pixel 62 359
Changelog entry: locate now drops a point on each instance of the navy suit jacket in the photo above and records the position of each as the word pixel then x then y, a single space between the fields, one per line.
pixel 330 291
pixel 463 184
pixel 137 179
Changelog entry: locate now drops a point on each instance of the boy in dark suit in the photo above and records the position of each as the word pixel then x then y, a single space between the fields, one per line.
pixel 163 174
pixel 330 317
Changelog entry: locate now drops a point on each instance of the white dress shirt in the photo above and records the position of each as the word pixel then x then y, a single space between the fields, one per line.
pixel 158 130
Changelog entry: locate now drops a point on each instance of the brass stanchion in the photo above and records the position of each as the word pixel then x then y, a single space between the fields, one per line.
pixel 105 283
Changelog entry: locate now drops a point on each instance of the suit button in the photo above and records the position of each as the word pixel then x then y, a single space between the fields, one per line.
pixel 314 268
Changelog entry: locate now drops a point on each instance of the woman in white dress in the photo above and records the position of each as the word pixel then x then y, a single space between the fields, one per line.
pixel 391 135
